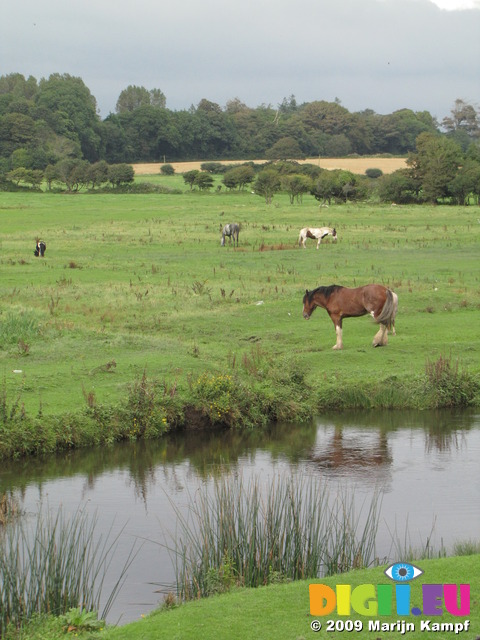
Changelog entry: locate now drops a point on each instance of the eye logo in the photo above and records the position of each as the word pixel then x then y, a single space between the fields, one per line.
pixel 402 572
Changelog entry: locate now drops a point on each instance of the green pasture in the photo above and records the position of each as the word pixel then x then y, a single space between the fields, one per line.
pixel 282 612
pixel 140 283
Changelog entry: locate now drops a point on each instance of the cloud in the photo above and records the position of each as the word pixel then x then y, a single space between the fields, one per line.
pixel 378 54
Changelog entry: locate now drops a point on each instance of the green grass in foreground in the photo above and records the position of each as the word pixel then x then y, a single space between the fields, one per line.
pixel 281 612
pixel 134 283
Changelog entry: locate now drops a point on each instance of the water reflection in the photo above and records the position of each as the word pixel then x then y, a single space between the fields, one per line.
pixel 424 463
pixel 209 453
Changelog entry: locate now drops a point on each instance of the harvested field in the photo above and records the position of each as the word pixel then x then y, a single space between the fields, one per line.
pixel 356 165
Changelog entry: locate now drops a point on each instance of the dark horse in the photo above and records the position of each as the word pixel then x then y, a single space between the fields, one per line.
pixel 40 248
pixel 341 302
pixel 231 230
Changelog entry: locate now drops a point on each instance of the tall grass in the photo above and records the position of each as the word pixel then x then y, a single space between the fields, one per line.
pixel 251 534
pixel 56 565
pixel 448 385
pixel 18 325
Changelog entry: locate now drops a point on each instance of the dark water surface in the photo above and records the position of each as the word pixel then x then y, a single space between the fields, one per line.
pixel 425 464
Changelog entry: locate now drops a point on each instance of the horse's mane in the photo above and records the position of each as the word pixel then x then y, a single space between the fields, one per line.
pixel 326 291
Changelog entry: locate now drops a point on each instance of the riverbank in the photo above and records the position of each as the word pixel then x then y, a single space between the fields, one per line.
pixel 137 321
pixel 282 612
pixel 218 401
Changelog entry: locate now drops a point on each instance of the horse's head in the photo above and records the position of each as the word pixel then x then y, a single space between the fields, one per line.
pixel 334 235
pixel 308 305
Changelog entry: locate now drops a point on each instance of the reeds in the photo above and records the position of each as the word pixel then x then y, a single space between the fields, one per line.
pixel 55 565
pixel 254 533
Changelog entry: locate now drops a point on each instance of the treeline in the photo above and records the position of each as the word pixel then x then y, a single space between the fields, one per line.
pixel 437 172
pixel 44 122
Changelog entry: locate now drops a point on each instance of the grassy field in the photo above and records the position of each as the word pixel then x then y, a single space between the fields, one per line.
pixel 134 283
pixel 281 612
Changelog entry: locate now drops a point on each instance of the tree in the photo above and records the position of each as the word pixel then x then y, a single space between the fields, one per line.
pixel 120 174
pixel 16 131
pixel 238 177
pixel 267 184
pixel 18 175
pixel 398 187
pixel 338 184
pixel 203 180
pixel 50 175
pixel 97 173
pixel 189 177
pixel 400 130
pixel 463 125
pixel 296 185
pixel 134 97
pixel 328 117
pixel 466 183
pixel 67 105
pixel 435 164
pixel 73 173
pixel 285 149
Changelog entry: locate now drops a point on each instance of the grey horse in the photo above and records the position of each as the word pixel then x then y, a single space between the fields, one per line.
pixel 231 230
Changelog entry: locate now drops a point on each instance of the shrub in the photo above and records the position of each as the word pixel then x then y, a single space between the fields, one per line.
pixel 167 170
pixel 373 173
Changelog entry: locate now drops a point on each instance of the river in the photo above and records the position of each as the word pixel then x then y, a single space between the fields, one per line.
pixel 424 464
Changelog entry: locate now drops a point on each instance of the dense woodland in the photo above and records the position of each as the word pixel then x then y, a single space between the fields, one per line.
pixel 54 122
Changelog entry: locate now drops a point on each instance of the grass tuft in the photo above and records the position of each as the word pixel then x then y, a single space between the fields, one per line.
pixel 54 566
pixel 250 533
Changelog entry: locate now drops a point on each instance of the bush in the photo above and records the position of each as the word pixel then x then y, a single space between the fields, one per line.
pixel 213 167
pixel 167 170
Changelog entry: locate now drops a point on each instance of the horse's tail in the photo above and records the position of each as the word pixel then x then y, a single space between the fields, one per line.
pixel 389 310
pixel 300 238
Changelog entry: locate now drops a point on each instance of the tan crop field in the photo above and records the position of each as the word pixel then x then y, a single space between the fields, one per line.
pixel 355 165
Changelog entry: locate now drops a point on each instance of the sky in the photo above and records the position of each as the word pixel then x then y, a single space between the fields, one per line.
pixel 383 55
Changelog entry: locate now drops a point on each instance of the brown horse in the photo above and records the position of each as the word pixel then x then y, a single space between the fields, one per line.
pixel 341 302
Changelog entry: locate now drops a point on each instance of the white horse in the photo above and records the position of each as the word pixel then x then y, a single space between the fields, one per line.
pixel 231 231
pixel 315 234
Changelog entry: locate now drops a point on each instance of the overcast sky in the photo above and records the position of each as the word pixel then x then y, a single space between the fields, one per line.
pixel 370 54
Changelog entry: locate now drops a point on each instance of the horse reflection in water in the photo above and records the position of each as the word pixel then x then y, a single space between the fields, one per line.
pixel 341 302
pixel 230 230
pixel 344 451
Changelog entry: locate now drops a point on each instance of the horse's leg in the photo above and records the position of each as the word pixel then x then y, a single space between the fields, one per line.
pixel 339 343
pixel 338 330
pixel 381 337
pixel 319 241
